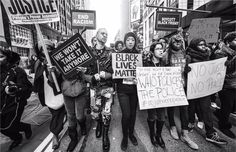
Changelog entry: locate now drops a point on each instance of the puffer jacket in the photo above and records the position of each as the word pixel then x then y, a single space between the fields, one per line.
pixel 230 78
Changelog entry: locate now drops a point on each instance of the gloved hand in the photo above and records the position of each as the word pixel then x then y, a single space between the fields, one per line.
pixel 187 69
pixel 97 77
pixel 227 63
pixel 102 74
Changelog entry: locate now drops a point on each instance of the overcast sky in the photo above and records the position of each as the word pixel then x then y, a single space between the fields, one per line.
pixel 108 16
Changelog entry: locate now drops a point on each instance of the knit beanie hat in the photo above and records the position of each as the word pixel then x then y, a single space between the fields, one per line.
pixel 130 34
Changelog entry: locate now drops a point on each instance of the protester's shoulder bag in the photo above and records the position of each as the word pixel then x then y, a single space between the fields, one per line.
pixel 51 100
pixel 73 88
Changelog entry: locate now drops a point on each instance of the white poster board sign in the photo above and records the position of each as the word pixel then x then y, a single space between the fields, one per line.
pixel 124 65
pixel 31 12
pixel 160 87
pixel 207 28
pixel 206 78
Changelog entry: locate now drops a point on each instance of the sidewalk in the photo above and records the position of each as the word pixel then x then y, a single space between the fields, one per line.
pixel 34 114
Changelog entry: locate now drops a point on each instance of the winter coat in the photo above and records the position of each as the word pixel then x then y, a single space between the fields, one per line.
pixel 230 78
pixel 103 62
pixel 19 77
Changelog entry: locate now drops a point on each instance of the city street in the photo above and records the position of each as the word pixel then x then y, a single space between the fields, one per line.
pixel 90 143
pixel 41 139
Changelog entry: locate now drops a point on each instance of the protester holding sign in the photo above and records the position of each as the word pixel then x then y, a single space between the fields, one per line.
pixel 156 116
pixel 47 93
pixel 101 92
pixel 197 52
pixel 227 95
pixel 127 95
pixel 176 57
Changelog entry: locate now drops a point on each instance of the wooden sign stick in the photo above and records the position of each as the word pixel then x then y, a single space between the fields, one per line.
pixel 47 55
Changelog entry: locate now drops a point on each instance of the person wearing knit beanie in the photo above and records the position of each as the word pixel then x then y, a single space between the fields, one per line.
pixel 130 35
pixel 128 98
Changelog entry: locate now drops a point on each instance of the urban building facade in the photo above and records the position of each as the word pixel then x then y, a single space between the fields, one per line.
pixel 224 9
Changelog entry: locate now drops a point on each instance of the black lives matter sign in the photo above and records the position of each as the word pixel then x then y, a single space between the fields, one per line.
pixel 124 64
pixel 72 54
pixel 168 21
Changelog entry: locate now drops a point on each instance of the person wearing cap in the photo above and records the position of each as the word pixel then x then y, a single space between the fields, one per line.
pixel 177 57
pixel 156 116
pixel 101 87
pixel 43 80
pixel 127 95
pixel 15 90
pixel 227 94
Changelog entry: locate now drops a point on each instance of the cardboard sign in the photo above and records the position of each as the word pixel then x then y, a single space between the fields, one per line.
pixel 168 21
pixel 83 18
pixel 31 11
pixel 206 78
pixel 124 64
pixel 207 28
pixel 160 87
pixel 72 54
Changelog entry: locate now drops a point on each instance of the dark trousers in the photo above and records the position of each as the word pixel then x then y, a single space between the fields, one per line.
pixel 194 107
pixel 128 104
pixel 13 132
pixel 204 103
pixel 227 99
pixel 183 116
pixel 156 114
pixel 56 124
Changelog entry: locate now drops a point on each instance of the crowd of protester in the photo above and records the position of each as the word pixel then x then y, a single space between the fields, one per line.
pixel 75 97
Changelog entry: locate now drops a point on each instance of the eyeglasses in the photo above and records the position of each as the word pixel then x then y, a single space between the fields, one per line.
pixel 201 44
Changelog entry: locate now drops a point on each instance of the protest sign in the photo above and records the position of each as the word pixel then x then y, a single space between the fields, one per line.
pixel 31 11
pixel 124 64
pixel 71 54
pixel 168 21
pixel 83 18
pixel 160 87
pixel 207 28
pixel 206 78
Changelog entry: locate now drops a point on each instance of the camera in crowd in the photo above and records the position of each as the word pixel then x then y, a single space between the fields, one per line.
pixel 11 89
